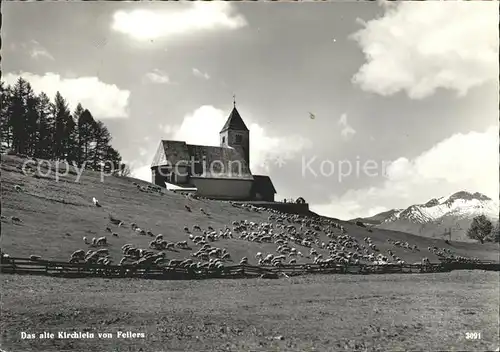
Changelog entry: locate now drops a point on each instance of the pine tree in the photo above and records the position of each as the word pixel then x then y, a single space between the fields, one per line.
pixel 70 140
pixel 31 121
pixel 45 125
pixel 114 161
pixel 64 130
pixel 78 144
pixel 86 127
pixel 5 126
pixel 100 150
pixel 17 116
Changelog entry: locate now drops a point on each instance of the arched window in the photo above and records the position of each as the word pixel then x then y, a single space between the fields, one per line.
pixel 238 138
pixel 223 139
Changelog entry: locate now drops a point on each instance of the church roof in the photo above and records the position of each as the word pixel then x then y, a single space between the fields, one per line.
pixel 263 184
pixel 204 161
pixel 234 122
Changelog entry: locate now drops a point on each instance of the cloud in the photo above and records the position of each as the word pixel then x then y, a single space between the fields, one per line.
pixel 167 129
pixel 38 51
pixel 376 210
pixel 200 127
pixel 33 48
pixel 418 47
pixel 143 151
pixel 203 125
pixel 461 162
pixel 347 130
pixel 142 172
pixel 102 99
pixel 267 149
pixel 198 17
pixel 200 74
pixel 157 76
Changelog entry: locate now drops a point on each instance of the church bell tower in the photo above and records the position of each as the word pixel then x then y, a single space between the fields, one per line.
pixel 235 134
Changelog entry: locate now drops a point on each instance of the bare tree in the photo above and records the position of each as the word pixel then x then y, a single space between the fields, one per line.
pixel 123 171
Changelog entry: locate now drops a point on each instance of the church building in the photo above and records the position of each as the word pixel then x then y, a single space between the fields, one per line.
pixel 213 172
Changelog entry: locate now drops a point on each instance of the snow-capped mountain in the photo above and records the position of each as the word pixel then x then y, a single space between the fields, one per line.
pixel 461 204
pixel 435 217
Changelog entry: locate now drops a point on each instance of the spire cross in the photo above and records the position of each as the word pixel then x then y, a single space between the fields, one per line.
pixel 234 100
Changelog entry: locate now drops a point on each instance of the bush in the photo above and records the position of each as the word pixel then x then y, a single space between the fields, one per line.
pixel 495 234
pixel 359 223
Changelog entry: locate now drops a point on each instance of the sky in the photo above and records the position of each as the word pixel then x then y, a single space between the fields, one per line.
pixel 359 107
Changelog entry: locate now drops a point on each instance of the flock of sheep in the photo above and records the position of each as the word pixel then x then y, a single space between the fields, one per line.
pixel 296 237
pixel 148 188
pixel 447 256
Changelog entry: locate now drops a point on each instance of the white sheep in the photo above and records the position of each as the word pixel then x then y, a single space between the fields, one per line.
pixel 96 202
pixel 78 254
pixel 101 241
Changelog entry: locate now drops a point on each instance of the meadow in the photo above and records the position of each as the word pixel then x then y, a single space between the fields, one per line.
pixel 423 312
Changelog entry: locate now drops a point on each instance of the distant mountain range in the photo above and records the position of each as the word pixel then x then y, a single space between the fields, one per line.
pixel 437 216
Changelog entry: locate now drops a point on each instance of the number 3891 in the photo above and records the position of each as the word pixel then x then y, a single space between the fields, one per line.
pixel 472 335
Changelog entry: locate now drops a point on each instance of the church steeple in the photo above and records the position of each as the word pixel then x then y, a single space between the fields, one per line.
pixel 235 134
pixel 234 121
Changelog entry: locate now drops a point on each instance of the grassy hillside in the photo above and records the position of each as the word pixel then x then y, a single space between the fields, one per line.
pixel 56 214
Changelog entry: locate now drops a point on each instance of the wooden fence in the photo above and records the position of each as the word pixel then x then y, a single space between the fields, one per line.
pixel 80 270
